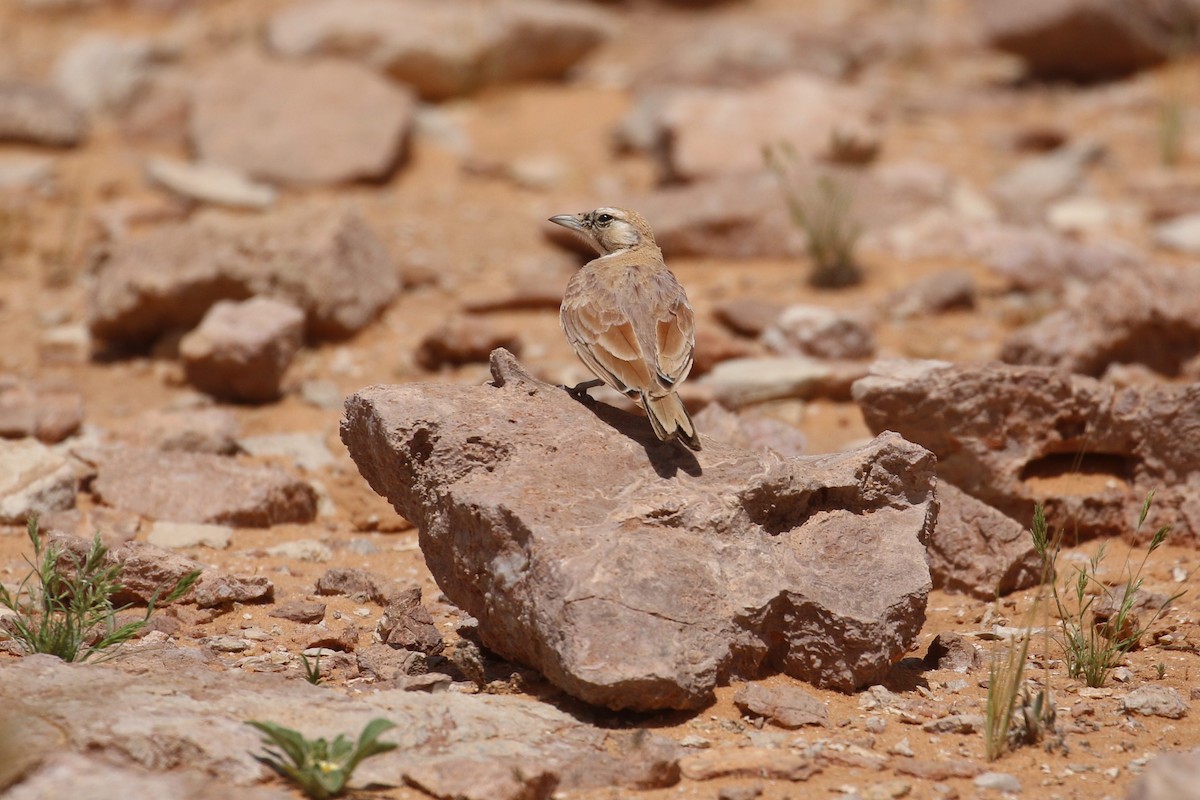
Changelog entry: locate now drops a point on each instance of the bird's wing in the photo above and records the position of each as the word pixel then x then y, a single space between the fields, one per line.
pixel 604 336
pixel 675 330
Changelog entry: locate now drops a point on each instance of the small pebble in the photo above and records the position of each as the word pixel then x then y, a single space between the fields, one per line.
pixel 1000 781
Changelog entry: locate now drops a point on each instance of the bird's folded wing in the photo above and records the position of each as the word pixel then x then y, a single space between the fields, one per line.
pixel 607 342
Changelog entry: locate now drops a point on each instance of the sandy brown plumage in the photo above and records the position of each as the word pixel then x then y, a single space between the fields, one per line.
pixel 628 318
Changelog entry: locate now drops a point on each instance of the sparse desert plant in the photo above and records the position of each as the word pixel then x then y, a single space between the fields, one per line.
pixel 823 209
pixel 319 767
pixel 63 606
pixel 1095 643
pixel 312 669
pixel 1006 677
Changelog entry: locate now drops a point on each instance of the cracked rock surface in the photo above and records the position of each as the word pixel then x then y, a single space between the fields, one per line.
pixel 632 574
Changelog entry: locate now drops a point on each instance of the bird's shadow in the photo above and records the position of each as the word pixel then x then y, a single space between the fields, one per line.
pixel 667 458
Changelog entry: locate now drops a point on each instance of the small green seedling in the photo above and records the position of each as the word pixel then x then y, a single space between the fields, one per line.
pixel 320 768
pixel 312 669
pixel 63 606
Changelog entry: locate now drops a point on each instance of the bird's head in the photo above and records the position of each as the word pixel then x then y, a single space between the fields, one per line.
pixel 609 230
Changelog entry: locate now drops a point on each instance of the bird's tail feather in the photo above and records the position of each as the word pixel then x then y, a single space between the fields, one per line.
pixel 670 419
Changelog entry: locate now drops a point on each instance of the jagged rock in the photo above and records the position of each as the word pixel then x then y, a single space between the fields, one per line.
pixel 177 717
pixel 785 706
pixel 198 487
pixel 241 350
pixel 39 115
pixel 299 122
pixel 442 49
pixel 216 590
pixel 1034 259
pixel 952 651
pixel 34 479
pixel 1147 316
pixel 358 583
pixel 1152 700
pixel 408 625
pixel 27 410
pixel 1014 436
pixel 639 577
pixel 326 260
pixel 1086 39
pixel 977 550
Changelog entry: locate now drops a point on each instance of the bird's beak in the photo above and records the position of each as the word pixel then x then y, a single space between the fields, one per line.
pixel 570 221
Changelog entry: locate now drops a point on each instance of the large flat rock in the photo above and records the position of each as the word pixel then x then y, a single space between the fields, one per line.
pixel 634 574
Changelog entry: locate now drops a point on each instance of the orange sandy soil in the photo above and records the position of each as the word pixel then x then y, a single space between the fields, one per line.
pixel 471 227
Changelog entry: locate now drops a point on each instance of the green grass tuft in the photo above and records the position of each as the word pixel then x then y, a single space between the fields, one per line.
pixel 319 767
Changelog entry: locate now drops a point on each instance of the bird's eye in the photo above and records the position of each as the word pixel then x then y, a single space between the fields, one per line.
pixel 604 219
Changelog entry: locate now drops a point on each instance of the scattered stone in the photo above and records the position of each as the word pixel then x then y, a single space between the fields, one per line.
pixel 198 430
pixel 1146 316
pixel 325 261
pixel 301 550
pixel 484 460
pixel 1015 436
pixel 755 762
pixel 1025 190
pixel 949 290
pixel 1168 776
pixel 342 641
pixel 1084 40
pixel 300 611
pixel 977 550
pixel 470 779
pixel 714 346
pixel 227 644
pixel 747 432
pixel 952 651
pixel 64 775
pixel 940 770
pixel 198 487
pixel 115 527
pixel 999 781
pixel 745 381
pixel 444 50
pixel 463 340
pixel 1041 260
pixel 1157 701
pixel 299 122
pixel 820 332
pixel 25 172
pixel 306 451
pixel 408 625
pixel 241 350
pixel 955 723
pixel 379 662
pixel 177 535
pixel 350 582
pixel 209 183
pixel 750 792
pixel 1181 234
pixel 36 114
pixel 748 316
pixel 320 393
pixel 34 479
pixel 215 590
pixel 26 410
pixel 101 72
pixel 712 131
pixel 726 216
pixel 785 706
pixel 65 345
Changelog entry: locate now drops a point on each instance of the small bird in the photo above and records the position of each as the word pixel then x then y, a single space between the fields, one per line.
pixel 628 319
